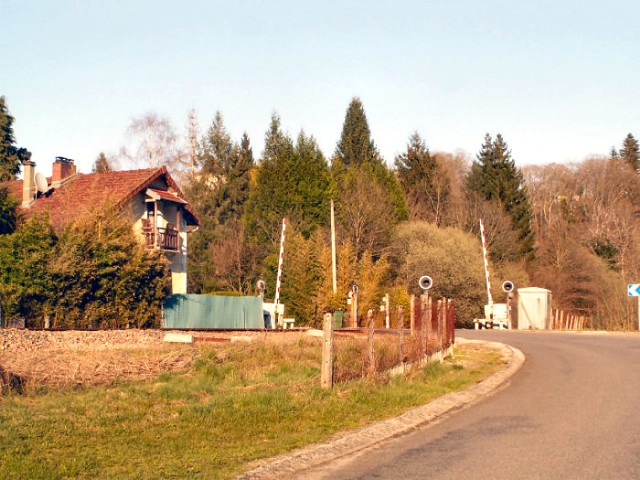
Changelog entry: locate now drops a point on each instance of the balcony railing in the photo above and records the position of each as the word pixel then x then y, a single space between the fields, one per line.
pixel 163 238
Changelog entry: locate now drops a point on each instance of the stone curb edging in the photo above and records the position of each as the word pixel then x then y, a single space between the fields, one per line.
pixel 352 442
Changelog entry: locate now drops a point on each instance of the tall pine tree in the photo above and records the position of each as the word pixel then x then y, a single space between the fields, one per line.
pixel 292 181
pixel 237 175
pixel 219 192
pixel 495 177
pixel 426 185
pixel 221 186
pixel 355 146
pixel 365 183
pixel 630 152
pixel 11 157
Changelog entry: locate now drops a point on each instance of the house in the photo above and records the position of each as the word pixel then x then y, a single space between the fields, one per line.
pixel 159 212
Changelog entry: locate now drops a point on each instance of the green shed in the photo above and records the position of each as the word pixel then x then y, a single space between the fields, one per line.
pixel 191 311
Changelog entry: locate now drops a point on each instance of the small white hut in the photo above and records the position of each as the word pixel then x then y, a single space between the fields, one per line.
pixel 534 309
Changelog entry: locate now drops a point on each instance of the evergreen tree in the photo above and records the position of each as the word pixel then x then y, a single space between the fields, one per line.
pixel 364 182
pixel 314 184
pixel 217 147
pixel 8 212
pixel 387 179
pixel 11 157
pixel 356 150
pixel 237 175
pixel 220 189
pixel 425 184
pixel 274 140
pixel 25 286
pixel 630 152
pixel 613 153
pixel 355 146
pixel 95 274
pixel 102 164
pixel 495 178
pixel 219 192
pixel 292 181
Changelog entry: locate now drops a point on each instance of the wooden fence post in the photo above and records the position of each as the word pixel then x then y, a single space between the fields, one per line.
pixel 440 322
pixel 400 327
pixel 326 375
pixel 412 315
pixel 433 310
pixel 371 360
pixel 451 326
pixel 425 313
pixel 452 314
pixel 443 335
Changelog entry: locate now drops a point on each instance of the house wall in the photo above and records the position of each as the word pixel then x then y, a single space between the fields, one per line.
pixel 166 214
pixel 179 262
pixel 138 211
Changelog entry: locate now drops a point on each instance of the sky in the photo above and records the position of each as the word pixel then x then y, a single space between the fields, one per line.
pixel 560 79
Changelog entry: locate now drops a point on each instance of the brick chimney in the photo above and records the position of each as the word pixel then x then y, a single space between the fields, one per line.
pixel 28 182
pixel 63 169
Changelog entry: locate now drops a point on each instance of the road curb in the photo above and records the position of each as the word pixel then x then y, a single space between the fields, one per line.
pixel 349 443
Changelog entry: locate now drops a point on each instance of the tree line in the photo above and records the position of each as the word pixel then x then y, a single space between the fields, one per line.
pixel 568 228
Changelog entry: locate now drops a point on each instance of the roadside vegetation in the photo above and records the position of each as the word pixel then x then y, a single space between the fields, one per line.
pixel 567 228
pixel 234 405
pixel 93 274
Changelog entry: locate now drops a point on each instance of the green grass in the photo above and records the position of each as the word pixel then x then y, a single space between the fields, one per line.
pixel 235 405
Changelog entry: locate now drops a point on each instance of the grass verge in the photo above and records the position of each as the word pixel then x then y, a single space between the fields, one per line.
pixel 233 406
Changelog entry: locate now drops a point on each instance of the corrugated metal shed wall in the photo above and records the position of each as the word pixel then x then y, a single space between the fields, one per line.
pixel 212 311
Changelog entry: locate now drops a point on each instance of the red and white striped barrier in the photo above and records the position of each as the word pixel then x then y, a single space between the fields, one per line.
pixel 485 255
pixel 279 279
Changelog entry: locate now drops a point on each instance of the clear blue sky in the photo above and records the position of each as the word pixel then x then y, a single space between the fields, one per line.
pixel 559 79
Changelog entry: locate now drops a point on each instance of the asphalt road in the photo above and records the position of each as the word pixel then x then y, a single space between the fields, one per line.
pixel 573 411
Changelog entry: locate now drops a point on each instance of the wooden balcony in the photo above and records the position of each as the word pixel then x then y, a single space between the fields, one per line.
pixel 162 238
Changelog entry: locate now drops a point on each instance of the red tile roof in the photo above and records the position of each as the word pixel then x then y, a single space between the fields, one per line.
pixel 168 196
pixel 81 194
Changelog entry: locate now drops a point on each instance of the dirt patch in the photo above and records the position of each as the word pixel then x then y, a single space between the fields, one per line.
pixel 72 358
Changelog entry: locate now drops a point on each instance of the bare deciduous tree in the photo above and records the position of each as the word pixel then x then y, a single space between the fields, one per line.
pixel 154 143
pixel 365 214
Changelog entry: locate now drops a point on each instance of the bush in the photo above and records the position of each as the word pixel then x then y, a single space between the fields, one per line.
pixel 452 258
pixel 94 274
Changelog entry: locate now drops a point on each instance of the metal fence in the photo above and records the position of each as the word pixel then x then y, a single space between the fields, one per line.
pixel 212 312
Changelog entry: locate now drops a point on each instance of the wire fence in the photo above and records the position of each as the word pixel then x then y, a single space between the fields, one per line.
pixel 426 332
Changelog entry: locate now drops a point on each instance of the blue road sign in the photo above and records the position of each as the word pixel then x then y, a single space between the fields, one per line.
pixel 633 289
